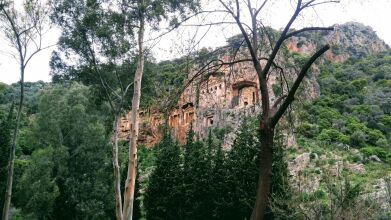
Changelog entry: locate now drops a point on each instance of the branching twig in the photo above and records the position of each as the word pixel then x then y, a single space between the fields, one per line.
pixel 290 97
pixel 293 33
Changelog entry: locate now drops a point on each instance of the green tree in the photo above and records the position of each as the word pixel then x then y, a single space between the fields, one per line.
pixel 163 197
pixel 214 184
pixel 71 156
pixel 38 185
pixel 240 177
pixel 242 168
pixel 218 176
pixel 280 193
pixel 5 141
pixel 196 180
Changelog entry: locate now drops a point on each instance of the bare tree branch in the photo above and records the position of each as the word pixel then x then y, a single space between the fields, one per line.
pixel 281 39
pixel 279 100
pixel 260 8
pixel 215 23
pixel 37 51
pixel 228 9
pixel 320 3
pixel 293 33
pixel 180 23
pixel 290 97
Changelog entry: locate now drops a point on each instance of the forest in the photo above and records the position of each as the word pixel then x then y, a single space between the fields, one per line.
pixel 290 123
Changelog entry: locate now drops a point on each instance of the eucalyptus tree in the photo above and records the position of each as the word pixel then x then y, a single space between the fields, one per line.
pixel 145 12
pixel 24 26
pixel 107 34
pixel 95 35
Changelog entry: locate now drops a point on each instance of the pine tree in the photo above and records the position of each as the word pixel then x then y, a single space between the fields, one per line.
pixel 163 196
pixel 214 185
pixel 218 187
pixel 241 177
pixel 280 193
pixel 196 188
pixel 242 167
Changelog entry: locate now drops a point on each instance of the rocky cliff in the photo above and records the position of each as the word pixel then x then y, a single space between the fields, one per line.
pixel 223 98
pixel 349 40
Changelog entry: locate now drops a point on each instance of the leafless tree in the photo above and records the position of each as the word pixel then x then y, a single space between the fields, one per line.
pixel 264 62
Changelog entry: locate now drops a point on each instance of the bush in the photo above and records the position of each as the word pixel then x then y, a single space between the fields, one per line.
pixel 359 84
pixel 368 151
pixel 358 138
pixel 343 139
pixel 356 158
pixel 383 154
pixel 331 135
pixel 374 136
pixel 319 194
pixel 308 130
pixel 382 142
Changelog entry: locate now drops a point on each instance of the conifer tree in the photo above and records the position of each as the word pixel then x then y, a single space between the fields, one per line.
pixel 243 172
pixel 241 177
pixel 195 180
pixel 280 193
pixel 163 193
pixel 214 185
pixel 218 184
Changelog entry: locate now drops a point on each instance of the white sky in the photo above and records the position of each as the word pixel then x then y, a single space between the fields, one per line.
pixel 374 13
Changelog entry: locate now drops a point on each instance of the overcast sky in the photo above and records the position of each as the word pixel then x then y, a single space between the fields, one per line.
pixel 374 13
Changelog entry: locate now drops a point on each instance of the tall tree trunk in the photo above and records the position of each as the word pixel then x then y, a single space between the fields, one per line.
pixel 117 175
pixel 11 162
pixel 132 167
pixel 265 173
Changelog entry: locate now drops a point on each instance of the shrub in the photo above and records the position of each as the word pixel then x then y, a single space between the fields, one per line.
pixel 355 158
pixel 319 194
pixel 359 84
pixel 331 135
pixel 383 154
pixel 374 136
pixel 343 139
pixel 308 130
pixel 382 142
pixel 276 90
pixel 301 142
pixel 313 156
pixel 358 138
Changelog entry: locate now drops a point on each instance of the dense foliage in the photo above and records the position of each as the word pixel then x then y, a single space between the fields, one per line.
pixel 5 141
pixel 354 106
pixel 63 164
pixel 202 181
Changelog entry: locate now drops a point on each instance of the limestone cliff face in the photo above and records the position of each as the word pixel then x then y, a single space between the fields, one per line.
pixel 350 40
pixel 219 101
pixel 224 98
